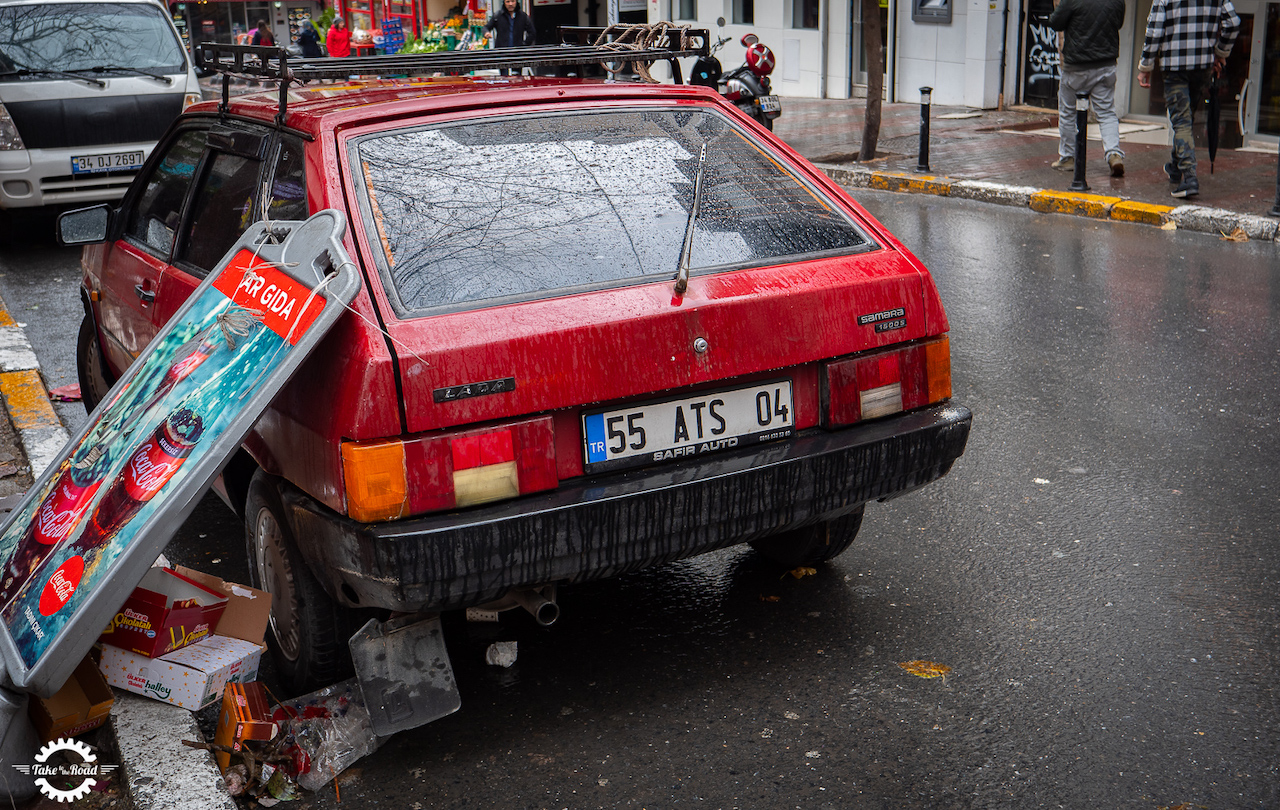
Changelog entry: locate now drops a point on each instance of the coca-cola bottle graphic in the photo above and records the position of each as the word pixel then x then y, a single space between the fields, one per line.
pixel 149 468
pixel 57 517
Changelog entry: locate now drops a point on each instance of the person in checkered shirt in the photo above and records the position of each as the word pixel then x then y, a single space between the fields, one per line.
pixel 1192 39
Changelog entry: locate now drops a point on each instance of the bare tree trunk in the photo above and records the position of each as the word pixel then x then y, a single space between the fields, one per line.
pixel 875 78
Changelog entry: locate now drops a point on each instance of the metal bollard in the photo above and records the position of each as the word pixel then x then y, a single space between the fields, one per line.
pixel 922 162
pixel 1275 209
pixel 1082 132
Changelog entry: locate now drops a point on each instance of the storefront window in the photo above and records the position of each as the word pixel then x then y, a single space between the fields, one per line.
pixel 744 11
pixel 688 9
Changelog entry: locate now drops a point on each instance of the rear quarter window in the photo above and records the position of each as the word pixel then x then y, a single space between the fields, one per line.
pixel 506 209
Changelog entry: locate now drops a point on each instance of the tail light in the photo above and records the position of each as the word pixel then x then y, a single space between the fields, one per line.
pixel 887 381
pixel 387 480
pixel 10 139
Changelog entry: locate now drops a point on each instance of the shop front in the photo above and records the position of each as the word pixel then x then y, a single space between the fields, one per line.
pixel 233 22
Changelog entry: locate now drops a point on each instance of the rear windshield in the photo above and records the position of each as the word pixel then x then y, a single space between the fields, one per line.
pixel 512 208
pixel 78 37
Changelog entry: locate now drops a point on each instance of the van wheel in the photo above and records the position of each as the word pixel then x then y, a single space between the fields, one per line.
pixel 308 631
pixel 91 367
pixel 811 545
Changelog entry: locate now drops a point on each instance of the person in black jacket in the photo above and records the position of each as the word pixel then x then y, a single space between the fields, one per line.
pixel 511 27
pixel 1091 47
pixel 308 38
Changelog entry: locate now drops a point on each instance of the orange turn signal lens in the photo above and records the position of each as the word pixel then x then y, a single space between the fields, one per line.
pixel 937 363
pixel 376 480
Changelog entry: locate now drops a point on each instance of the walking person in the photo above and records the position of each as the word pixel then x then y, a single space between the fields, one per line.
pixel 1091 48
pixel 308 39
pixel 1192 39
pixel 262 35
pixel 510 28
pixel 338 40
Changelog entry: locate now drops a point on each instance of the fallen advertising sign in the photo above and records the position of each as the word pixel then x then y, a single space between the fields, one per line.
pixel 90 528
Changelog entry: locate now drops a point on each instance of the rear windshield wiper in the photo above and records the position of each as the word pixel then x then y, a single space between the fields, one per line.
pixel 136 71
pixel 60 74
pixel 686 249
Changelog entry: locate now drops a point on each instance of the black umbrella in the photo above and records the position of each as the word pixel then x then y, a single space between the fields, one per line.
pixel 1215 116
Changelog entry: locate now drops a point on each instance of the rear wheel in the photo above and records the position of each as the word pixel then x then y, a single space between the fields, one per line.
pixel 91 366
pixel 811 545
pixel 308 631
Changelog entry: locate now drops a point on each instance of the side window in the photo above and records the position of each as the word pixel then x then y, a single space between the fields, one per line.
pixel 221 211
pixel 154 220
pixel 289 182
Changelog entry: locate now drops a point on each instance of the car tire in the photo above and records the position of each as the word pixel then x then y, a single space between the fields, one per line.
pixel 811 545
pixel 91 366
pixel 308 631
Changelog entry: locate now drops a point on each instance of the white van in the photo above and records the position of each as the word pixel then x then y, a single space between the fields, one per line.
pixel 87 87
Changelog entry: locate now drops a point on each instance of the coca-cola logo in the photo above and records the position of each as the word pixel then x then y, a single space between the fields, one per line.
pixel 61 585
pixel 60 513
pixel 149 469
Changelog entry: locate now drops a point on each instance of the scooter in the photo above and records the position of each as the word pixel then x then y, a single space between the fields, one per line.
pixel 746 86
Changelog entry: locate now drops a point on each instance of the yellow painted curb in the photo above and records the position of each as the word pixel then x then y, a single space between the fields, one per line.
pixel 1073 202
pixel 5 318
pixel 27 400
pixel 1147 213
pixel 920 184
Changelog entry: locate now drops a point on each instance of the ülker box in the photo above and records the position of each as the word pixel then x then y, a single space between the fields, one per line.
pixel 194 676
pixel 168 610
pixel 246 715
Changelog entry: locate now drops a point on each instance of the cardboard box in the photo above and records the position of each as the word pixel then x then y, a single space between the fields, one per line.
pixel 246 715
pixel 165 612
pixel 195 676
pixel 82 704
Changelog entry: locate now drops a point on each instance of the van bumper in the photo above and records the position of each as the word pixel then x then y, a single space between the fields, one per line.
pixel 611 524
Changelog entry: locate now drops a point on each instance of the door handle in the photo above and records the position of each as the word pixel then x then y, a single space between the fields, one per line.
pixel 144 294
pixel 1244 92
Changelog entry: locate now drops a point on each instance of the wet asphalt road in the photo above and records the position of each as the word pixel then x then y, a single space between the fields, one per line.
pixel 1099 571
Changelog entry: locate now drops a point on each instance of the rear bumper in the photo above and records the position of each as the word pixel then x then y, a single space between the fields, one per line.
pixel 621 522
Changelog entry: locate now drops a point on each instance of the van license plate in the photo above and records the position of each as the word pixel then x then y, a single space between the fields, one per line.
pixel 692 426
pixel 770 104
pixel 109 162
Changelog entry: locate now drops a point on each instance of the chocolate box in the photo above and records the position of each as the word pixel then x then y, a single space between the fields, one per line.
pixel 246 715
pixel 167 611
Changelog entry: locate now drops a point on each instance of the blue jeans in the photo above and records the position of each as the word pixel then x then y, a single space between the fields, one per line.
pixel 1100 85
pixel 1183 92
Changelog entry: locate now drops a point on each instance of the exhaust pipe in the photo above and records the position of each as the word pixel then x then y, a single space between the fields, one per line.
pixel 544 611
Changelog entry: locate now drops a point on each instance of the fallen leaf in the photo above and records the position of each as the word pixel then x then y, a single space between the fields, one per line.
pixel 1238 235
pixel 926 669
pixel 802 572
pixel 1170 225
pixel 770 598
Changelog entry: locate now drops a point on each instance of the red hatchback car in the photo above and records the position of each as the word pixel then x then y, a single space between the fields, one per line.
pixel 604 325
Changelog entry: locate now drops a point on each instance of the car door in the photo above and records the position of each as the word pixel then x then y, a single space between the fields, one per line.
pixel 135 264
pixel 227 200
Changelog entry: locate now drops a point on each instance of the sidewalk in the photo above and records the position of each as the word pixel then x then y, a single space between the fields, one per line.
pixel 1003 147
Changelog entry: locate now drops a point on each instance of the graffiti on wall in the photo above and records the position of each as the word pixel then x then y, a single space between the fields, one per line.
pixel 1042 60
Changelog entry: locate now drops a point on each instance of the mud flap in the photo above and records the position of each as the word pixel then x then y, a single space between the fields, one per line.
pixel 404 673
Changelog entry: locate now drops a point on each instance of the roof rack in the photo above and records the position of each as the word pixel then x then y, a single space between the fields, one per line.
pixel 613 47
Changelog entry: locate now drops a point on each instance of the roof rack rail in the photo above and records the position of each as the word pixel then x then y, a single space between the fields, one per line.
pixel 614 48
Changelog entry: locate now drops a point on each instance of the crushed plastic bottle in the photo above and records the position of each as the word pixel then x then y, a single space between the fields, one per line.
pixel 325 732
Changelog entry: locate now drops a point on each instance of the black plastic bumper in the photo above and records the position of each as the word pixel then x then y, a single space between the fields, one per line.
pixel 620 522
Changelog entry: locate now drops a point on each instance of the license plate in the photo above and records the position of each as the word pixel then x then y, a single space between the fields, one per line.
pixel 683 428
pixel 769 104
pixel 108 162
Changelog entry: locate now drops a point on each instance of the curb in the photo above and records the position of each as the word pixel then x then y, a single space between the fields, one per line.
pixel 26 398
pixel 159 772
pixel 1185 217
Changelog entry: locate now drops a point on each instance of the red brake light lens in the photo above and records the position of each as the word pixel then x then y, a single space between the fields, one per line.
pixel 886 381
